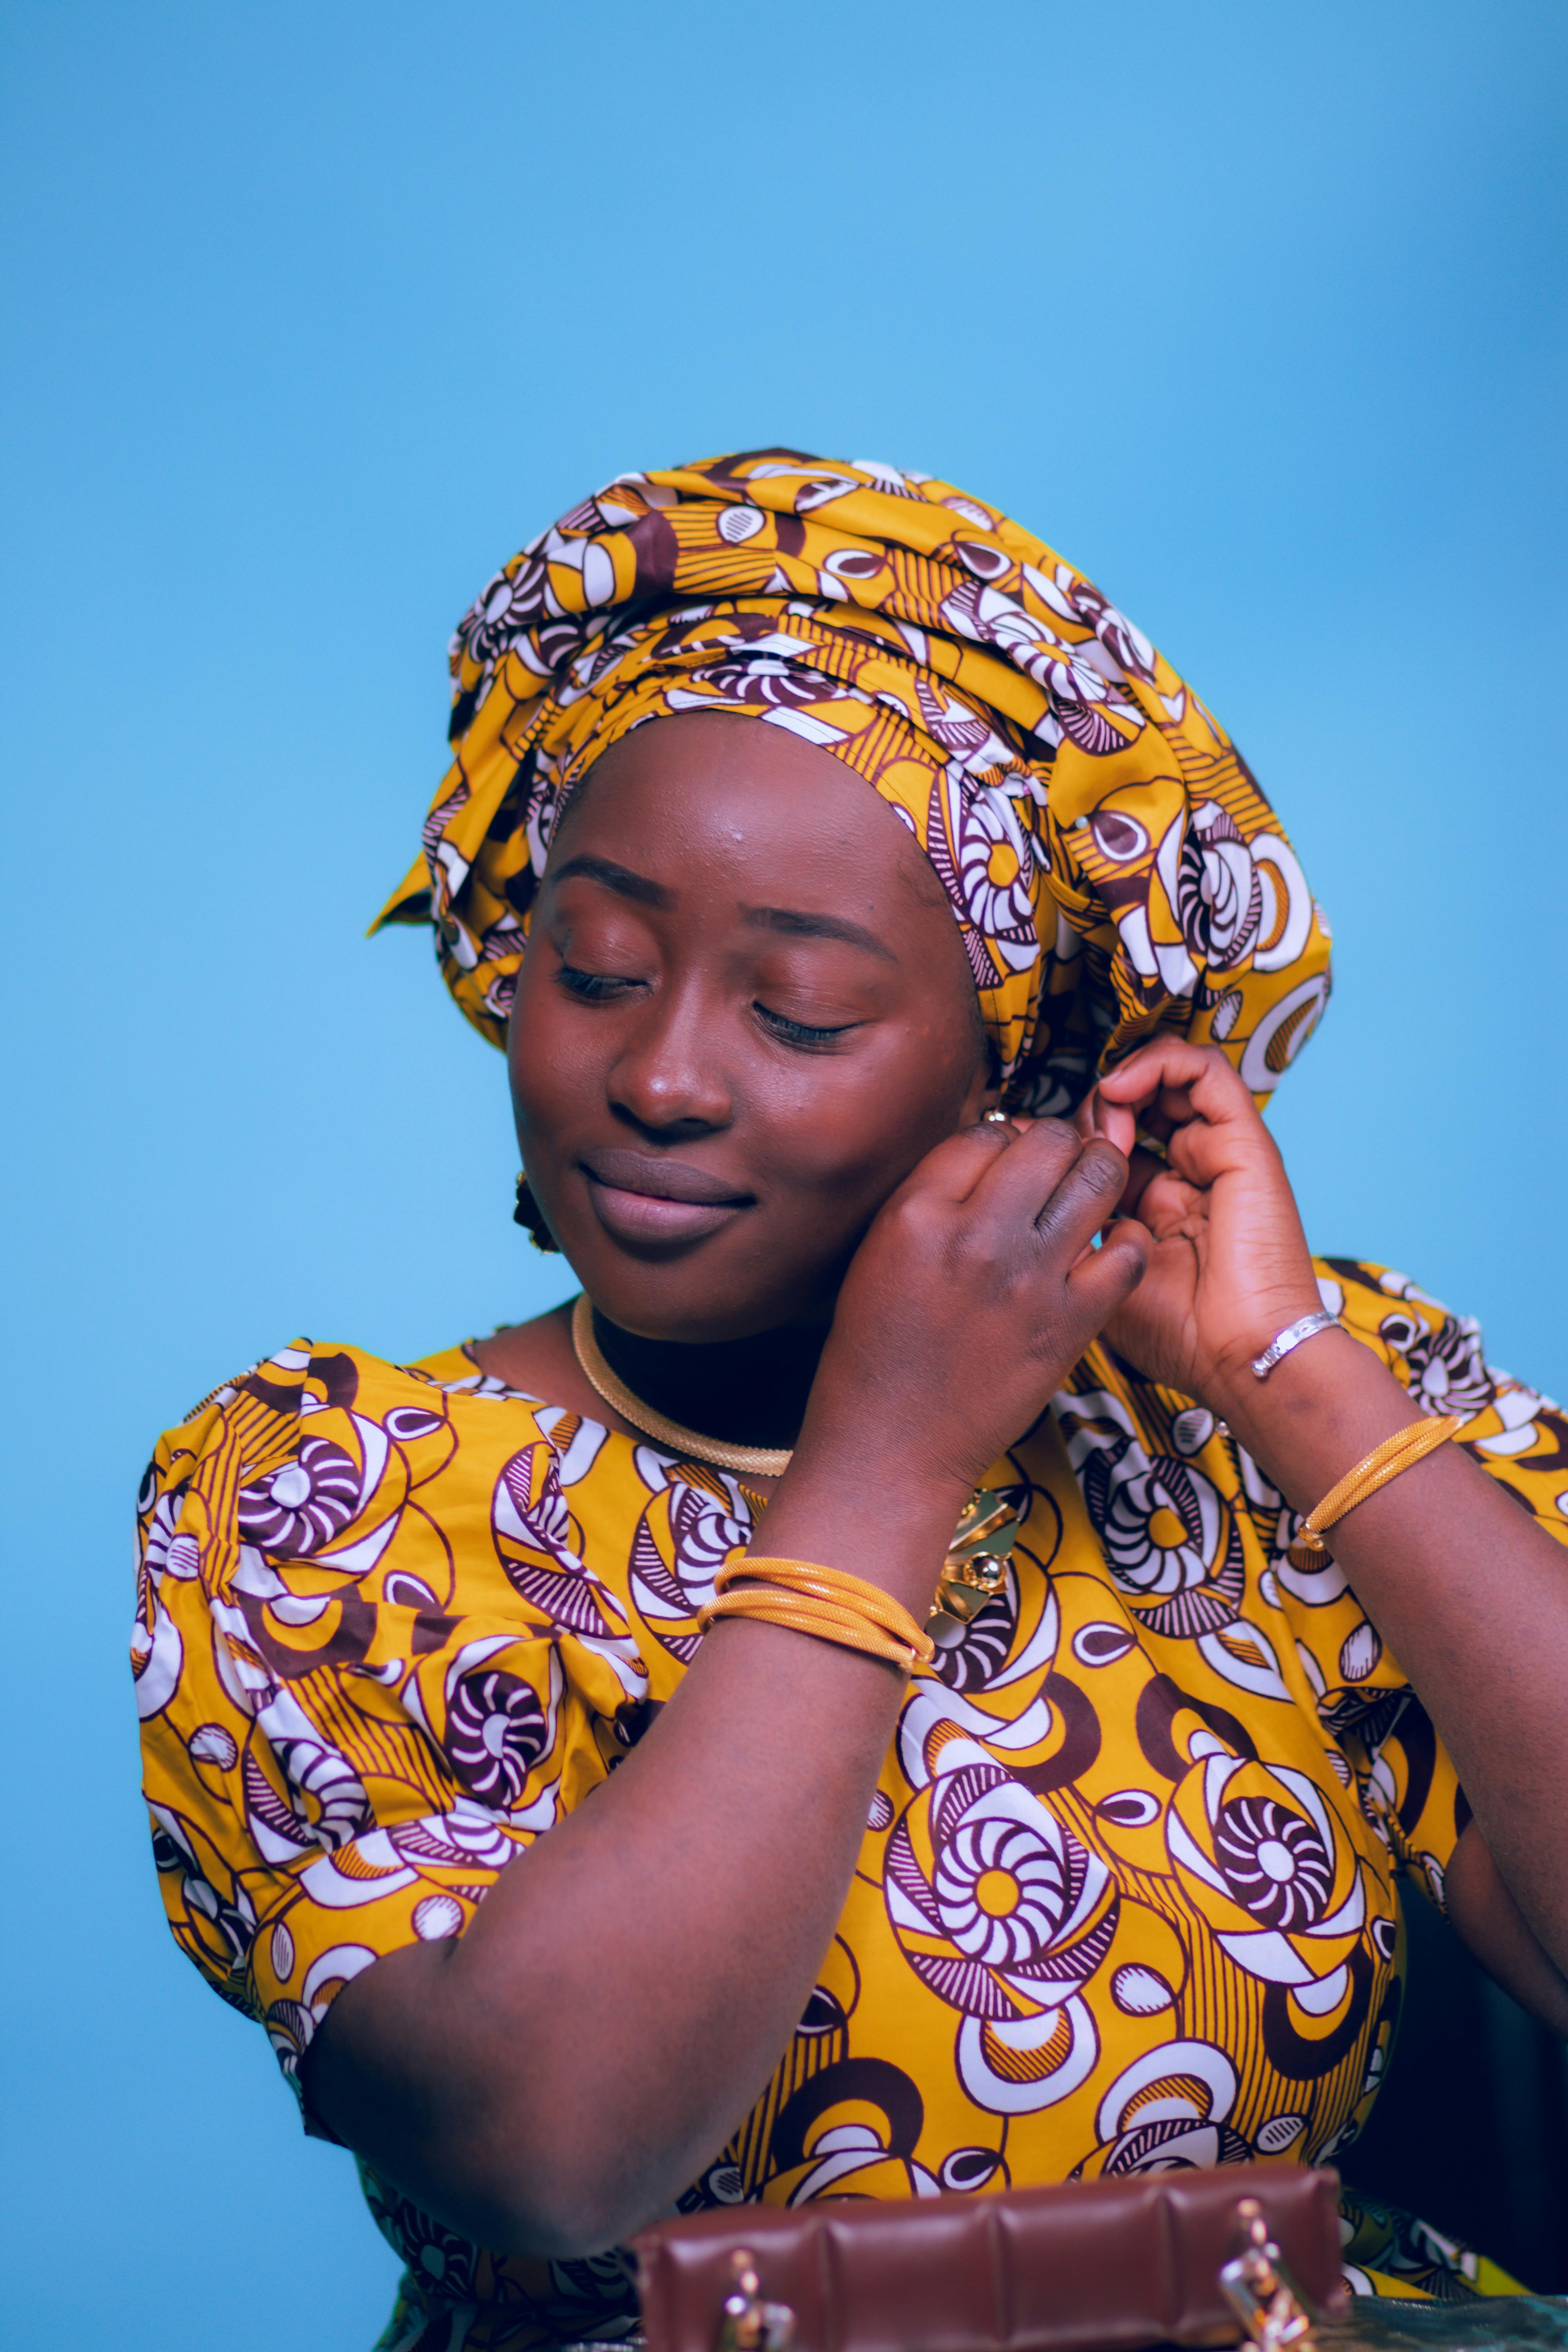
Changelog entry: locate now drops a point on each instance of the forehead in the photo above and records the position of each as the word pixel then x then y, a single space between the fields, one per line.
pixel 701 797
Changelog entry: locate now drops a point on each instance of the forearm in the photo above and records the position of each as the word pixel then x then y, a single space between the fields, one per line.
pixel 619 1999
pixel 559 2074
pixel 1462 1586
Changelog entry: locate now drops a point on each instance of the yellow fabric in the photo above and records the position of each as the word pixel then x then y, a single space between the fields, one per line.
pixel 1126 1894
pixel 1111 863
pixel 1389 2252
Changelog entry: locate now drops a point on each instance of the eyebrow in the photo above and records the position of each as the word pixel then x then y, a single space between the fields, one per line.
pixel 793 921
pixel 619 878
pixel 797 925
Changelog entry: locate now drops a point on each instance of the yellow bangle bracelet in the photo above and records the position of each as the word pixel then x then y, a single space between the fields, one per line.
pixel 844 1627
pixel 1400 1452
pixel 812 1579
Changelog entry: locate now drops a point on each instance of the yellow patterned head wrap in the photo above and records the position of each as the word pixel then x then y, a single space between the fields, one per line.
pixel 1111 863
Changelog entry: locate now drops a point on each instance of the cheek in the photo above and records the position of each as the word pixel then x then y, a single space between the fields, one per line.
pixel 857 1127
pixel 548 1069
pixel 832 1131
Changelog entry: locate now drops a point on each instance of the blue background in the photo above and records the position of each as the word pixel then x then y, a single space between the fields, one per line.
pixel 315 312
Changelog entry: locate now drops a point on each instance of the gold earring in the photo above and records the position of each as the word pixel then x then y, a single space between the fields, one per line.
pixel 529 1216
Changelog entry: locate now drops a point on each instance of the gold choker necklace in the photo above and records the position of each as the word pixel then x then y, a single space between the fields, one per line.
pixel 755 1461
pixel 976 1567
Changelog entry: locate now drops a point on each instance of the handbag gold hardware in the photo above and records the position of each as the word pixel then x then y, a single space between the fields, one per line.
pixel 1260 2290
pixel 749 2324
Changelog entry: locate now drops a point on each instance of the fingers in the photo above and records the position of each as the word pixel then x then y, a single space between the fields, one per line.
pixel 1019 1187
pixel 1168 1203
pixel 1049 1198
pixel 1043 1185
pixel 1085 1200
pixel 1102 1279
pixel 1179 1081
pixel 1056 1181
pixel 1193 1099
pixel 1142 1169
pixel 953 1168
pixel 1114 1121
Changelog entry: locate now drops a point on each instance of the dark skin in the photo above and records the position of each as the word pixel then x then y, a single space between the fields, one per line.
pixel 743 984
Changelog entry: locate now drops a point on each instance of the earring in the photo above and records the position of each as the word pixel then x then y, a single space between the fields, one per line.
pixel 528 1215
pixel 995 1119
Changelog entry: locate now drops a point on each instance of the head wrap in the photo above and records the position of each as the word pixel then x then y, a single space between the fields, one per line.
pixel 1111 863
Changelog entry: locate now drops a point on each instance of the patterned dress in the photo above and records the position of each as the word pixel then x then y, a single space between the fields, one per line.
pixel 1125 1897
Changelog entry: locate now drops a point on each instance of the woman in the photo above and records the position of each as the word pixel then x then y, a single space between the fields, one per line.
pixel 886 1070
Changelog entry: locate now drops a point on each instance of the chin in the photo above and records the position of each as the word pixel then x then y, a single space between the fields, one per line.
pixel 690 1303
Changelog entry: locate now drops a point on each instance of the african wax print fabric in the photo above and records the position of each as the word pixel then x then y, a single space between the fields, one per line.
pixel 1113 866
pixel 1126 1894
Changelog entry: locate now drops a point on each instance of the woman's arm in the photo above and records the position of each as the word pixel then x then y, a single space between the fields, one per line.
pixel 1466 1590
pixel 1472 1598
pixel 558 2075
pixel 555 2076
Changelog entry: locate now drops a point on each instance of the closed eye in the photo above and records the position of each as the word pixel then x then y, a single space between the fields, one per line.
pixel 591 987
pixel 802 1033
pixel 602 987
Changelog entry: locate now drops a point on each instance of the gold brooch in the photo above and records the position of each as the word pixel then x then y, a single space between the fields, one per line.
pixel 976 1567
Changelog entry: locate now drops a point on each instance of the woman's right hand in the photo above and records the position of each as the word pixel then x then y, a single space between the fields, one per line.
pixel 975 1290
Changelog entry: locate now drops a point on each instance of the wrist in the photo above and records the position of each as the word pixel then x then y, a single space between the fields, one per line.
pixel 866 1439
pixel 1315 1414
pixel 869 1512
pixel 1296 1382
pixel 1227 1382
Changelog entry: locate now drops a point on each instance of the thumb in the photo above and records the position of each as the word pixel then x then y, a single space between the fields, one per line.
pixel 1117 1122
pixel 1102 1279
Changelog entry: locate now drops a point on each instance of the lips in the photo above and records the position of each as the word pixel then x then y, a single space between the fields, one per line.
pixel 640 1198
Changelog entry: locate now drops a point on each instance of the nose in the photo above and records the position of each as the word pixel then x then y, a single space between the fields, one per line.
pixel 667 1078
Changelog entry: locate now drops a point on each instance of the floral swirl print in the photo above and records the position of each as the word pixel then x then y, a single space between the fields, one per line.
pixel 1126 1892
pixel 1110 859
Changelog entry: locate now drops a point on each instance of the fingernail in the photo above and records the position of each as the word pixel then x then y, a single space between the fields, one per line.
pixel 1096 1112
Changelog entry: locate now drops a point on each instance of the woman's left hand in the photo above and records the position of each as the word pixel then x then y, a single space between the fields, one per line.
pixel 1468 1592
pixel 1230 1266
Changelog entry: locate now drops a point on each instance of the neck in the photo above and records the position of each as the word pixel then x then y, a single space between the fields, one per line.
pixel 746 1392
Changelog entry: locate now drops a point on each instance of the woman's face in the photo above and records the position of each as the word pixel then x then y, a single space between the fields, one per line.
pixel 745 1014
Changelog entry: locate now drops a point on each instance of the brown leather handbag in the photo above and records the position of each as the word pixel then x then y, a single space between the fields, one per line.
pixel 1093 2266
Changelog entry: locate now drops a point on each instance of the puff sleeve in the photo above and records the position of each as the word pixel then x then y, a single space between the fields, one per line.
pixel 371 1667
pixel 1385 1738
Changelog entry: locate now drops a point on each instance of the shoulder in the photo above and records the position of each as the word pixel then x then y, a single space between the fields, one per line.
pixel 1437 1352
pixel 293 1448
pixel 316 1450
pixel 370 1662
pixel 310 1377
pixel 330 1513
pixel 1514 1431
